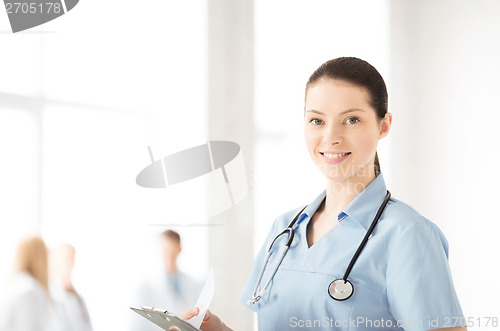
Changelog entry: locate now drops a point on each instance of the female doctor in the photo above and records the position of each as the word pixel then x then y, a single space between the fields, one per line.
pixel 399 278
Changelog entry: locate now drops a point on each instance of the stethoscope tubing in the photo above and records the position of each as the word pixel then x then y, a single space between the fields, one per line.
pixel 289 229
pixel 367 235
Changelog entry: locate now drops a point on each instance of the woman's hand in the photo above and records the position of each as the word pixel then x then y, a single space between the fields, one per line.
pixel 210 322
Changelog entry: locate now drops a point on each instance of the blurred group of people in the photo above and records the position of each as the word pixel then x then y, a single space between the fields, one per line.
pixel 40 295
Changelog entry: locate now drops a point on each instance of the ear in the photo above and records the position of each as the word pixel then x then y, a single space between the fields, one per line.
pixel 385 125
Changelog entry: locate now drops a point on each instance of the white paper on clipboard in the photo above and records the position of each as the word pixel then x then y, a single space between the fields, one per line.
pixel 204 300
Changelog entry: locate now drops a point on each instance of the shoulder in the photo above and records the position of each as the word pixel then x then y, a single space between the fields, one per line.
pixel 404 222
pixel 280 223
pixel 283 220
pixel 187 278
pixel 402 216
pixel 27 285
pixel 26 291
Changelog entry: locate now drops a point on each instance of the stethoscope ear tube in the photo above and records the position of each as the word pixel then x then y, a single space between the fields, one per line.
pixel 290 232
pixel 340 289
pixel 289 229
pixel 367 235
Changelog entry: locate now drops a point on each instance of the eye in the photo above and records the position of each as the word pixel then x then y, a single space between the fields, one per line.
pixel 352 120
pixel 316 121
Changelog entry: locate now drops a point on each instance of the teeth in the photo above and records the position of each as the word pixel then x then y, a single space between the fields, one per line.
pixel 334 156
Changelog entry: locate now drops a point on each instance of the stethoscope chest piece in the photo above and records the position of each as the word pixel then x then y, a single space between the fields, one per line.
pixel 340 289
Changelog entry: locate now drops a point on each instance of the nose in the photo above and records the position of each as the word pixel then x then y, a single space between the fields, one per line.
pixel 332 135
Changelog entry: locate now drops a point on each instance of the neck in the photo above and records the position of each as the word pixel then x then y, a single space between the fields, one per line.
pixel 340 193
pixel 171 269
pixel 65 282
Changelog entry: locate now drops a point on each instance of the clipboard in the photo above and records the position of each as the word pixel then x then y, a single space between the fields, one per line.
pixel 163 318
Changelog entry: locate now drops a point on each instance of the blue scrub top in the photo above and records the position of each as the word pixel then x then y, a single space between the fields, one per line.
pixel 401 280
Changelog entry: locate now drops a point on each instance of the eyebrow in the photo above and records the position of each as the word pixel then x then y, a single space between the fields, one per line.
pixel 342 113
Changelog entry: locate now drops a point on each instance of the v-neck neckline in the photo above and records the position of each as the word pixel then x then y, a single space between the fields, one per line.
pixel 304 226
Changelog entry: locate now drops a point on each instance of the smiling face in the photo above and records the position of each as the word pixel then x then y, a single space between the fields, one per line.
pixel 342 130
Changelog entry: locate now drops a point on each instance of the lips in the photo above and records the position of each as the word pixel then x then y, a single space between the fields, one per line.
pixel 334 157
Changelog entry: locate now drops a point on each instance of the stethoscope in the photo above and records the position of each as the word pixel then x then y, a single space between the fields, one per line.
pixel 341 288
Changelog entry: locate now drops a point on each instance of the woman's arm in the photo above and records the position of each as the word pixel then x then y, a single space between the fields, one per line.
pixel 457 328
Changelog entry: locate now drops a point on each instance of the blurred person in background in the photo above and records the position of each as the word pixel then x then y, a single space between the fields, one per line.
pixel 26 305
pixel 171 289
pixel 69 307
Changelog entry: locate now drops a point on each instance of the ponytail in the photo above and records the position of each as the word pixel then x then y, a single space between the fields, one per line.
pixel 376 165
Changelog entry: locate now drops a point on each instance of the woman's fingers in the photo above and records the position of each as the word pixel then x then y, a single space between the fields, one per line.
pixel 212 322
pixel 187 315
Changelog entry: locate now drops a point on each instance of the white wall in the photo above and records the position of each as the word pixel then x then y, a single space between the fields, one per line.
pixel 445 82
pixel 80 99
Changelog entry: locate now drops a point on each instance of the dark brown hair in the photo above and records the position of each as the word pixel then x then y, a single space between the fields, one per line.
pixel 360 73
pixel 171 234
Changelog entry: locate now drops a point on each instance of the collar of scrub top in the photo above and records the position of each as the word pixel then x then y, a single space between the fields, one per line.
pixel 362 209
